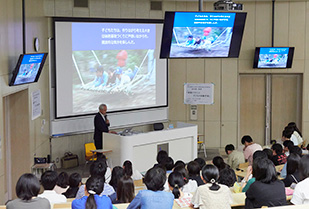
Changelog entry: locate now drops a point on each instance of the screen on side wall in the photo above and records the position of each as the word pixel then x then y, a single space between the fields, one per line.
pixel 116 63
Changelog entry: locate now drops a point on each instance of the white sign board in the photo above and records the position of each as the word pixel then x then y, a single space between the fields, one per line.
pixel 198 93
pixel 36 104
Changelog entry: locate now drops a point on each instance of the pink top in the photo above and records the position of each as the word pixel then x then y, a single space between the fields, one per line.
pixel 248 152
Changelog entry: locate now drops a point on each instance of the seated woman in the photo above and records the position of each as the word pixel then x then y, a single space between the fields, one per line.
pixel 219 163
pixel 117 173
pixel 176 183
pixel 292 177
pixel 194 172
pixel 211 194
pixel 129 171
pixel 227 177
pixel 154 196
pixel 27 190
pixel 92 198
pixel 190 185
pixel 301 192
pixel 62 183
pixel 125 190
pixel 267 190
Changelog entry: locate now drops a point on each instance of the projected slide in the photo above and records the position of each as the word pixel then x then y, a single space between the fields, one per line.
pixel 273 57
pixel 112 63
pixel 29 68
pixel 202 34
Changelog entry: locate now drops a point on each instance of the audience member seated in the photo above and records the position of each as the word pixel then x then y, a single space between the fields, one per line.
pixel 200 161
pixel 219 163
pixel 27 190
pixel 98 169
pixel 108 173
pixel 249 178
pixel 161 156
pixel 267 190
pixel 190 185
pixel 168 164
pixel 296 135
pixel 301 192
pixel 129 171
pixel 92 198
pixel 295 149
pixel 75 181
pixel 287 145
pixel 268 152
pixel 125 190
pixel 279 157
pixel 250 148
pixel 62 183
pixel 179 162
pixel 227 177
pixel 212 195
pixel 234 156
pixel 194 172
pixel 154 196
pixel 287 134
pixel 176 183
pixel 292 177
pixel 48 181
pixel 117 173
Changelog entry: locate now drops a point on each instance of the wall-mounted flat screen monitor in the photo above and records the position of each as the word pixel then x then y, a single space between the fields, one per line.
pixel 273 57
pixel 28 69
pixel 202 34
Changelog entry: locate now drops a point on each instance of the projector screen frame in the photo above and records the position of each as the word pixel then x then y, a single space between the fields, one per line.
pixel 102 20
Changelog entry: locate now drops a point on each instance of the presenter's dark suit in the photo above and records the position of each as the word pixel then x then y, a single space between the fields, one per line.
pixel 100 126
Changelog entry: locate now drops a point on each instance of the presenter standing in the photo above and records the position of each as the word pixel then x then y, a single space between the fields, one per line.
pixel 101 124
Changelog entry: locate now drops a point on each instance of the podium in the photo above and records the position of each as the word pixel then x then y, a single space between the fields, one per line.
pixel 141 149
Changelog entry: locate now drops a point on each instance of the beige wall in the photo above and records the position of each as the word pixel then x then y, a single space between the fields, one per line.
pixel 219 122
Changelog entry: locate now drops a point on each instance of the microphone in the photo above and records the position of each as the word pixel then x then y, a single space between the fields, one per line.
pixel 105 117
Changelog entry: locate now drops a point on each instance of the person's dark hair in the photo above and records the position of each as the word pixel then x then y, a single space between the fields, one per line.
pixel 273 141
pixel 182 170
pixel 74 180
pixel 297 150
pixel 259 154
pixel 246 138
pixel 288 143
pixel 227 177
pixel 161 156
pixel 304 167
pixel 94 185
pixel 117 173
pixel 27 186
pixel 193 168
pixel 168 163
pixel 63 180
pixel 98 168
pixel 287 132
pixel 264 170
pixel 293 125
pixel 155 178
pixel 200 161
pixel 277 148
pixel 292 163
pixel 175 180
pixel 219 162
pixel 179 162
pixel 49 180
pixel 127 168
pixel 210 174
pixel 229 147
pixel 268 152
pixel 307 148
pixel 125 189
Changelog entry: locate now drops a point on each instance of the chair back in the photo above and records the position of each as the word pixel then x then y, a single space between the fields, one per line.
pixel 88 153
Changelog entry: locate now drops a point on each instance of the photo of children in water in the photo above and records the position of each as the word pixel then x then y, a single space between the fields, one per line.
pixel 201 41
pixel 272 60
pixel 27 73
pixel 122 78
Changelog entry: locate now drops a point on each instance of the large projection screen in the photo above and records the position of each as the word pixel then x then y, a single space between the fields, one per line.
pixel 109 61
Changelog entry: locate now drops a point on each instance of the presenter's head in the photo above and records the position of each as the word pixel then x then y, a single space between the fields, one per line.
pixel 103 109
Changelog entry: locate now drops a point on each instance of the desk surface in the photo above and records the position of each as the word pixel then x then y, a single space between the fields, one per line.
pixel 102 150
